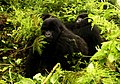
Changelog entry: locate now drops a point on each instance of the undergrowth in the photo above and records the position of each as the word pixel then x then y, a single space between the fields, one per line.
pixel 20 25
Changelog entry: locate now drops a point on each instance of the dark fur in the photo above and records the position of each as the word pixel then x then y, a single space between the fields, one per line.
pixel 84 29
pixel 62 42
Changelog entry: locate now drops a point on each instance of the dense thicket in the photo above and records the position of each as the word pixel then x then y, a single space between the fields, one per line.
pixel 20 32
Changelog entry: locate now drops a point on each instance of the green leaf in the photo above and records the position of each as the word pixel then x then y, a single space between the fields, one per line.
pixel 25 81
pixel 90 68
pixel 111 57
pixel 4 69
pixel 2 82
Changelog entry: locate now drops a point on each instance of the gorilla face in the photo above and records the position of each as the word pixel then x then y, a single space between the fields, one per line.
pixel 81 17
pixel 79 20
pixel 51 29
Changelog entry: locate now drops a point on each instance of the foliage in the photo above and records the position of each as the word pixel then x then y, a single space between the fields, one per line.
pixel 20 25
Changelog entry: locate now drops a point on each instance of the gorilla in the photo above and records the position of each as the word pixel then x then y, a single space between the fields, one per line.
pixel 61 42
pixel 83 28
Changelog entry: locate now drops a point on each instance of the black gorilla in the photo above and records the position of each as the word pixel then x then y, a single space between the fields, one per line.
pixel 84 29
pixel 61 42
pixel 55 32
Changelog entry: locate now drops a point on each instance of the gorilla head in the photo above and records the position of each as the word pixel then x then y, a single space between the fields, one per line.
pixel 51 28
pixel 81 17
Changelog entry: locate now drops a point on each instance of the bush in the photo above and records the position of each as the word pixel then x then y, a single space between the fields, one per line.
pixel 21 32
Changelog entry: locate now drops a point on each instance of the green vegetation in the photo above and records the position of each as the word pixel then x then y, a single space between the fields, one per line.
pixel 20 24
